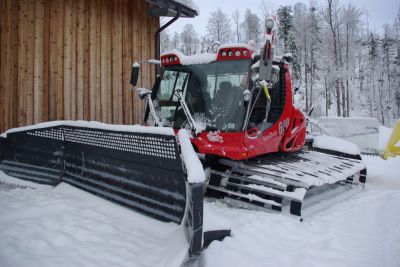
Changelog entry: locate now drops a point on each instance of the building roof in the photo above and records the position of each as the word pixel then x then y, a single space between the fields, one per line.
pixel 169 8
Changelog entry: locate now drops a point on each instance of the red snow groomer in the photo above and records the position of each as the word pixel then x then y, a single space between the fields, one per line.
pixel 238 106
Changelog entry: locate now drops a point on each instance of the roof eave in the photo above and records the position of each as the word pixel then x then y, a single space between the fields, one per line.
pixel 169 8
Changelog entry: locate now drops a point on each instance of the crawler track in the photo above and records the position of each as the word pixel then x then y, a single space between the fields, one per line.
pixel 292 179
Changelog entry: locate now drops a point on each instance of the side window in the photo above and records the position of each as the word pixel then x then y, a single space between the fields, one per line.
pixel 166 99
pixel 181 82
pixel 171 80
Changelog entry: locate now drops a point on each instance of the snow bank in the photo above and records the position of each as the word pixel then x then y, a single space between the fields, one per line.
pixel 383 173
pixel 98 125
pixel 69 227
pixel 364 132
pixel 193 165
pixel 336 144
pixel 384 136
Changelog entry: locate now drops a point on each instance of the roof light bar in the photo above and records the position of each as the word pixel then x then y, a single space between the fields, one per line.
pixel 233 53
pixel 171 59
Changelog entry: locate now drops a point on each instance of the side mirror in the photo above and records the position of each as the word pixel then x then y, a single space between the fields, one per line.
pixel 266 61
pixel 135 73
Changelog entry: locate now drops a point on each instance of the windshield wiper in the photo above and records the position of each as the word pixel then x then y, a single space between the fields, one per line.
pixel 145 93
pixel 196 129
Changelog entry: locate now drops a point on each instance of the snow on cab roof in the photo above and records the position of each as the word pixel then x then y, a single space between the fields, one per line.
pixel 237 45
pixel 203 58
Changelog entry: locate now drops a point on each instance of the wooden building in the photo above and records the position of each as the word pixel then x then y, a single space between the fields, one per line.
pixel 71 59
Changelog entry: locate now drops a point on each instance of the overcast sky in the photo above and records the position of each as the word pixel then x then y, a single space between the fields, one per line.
pixel 379 11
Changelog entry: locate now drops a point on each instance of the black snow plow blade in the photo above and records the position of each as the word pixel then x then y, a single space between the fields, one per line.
pixel 140 170
pixel 292 180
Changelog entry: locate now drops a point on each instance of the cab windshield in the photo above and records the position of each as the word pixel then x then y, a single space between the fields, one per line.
pixel 213 93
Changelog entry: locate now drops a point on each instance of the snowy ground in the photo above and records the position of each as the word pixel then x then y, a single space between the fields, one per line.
pixel 363 230
pixel 67 227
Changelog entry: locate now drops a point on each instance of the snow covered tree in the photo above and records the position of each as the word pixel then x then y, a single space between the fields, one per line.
pixel 236 20
pixel 287 35
pixel 396 82
pixel 315 43
pixel 331 15
pixel 266 9
pixel 189 40
pixel 352 21
pixel 175 41
pixel 164 41
pixel 285 27
pixel 251 27
pixel 372 47
pixel 219 27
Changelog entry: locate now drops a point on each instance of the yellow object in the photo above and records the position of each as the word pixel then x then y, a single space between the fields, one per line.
pixel 265 88
pixel 391 148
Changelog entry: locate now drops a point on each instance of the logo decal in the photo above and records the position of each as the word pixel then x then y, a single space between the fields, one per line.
pixel 215 137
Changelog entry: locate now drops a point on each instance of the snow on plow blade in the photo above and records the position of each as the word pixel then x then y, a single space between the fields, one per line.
pixel 140 169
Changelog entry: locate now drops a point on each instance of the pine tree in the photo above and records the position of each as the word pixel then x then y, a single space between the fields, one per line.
pixel 287 34
pixel 372 47
pixel 285 28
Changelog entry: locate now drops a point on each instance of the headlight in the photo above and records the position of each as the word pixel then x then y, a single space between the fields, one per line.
pixel 269 23
pixel 246 95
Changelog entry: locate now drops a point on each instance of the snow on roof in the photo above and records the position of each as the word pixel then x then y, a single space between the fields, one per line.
pixel 94 124
pixel 203 58
pixel 336 144
pixel 190 4
pixel 364 132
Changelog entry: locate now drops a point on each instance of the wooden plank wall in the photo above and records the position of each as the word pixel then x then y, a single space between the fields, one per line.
pixel 71 60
